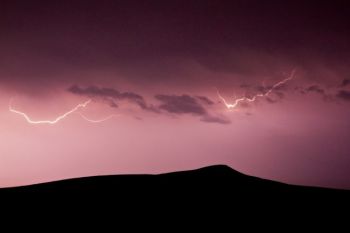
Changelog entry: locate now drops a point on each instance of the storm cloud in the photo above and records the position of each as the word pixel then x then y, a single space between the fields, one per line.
pixel 315 88
pixel 174 104
pixel 344 95
pixel 325 93
pixel 205 100
pixel 185 43
pixel 180 104
pixel 345 82
pixel 111 95
pixel 186 104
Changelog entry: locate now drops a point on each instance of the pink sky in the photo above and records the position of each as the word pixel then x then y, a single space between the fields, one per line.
pixel 300 140
pixel 158 66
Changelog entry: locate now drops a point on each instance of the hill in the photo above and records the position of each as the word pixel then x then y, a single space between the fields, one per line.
pixel 217 180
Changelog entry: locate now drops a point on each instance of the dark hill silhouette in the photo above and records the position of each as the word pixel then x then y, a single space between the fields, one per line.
pixel 215 191
pixel 215 195
pixel 217 180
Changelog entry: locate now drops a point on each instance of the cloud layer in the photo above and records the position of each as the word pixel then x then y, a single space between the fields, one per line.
pixel 173 104
pixel 111 95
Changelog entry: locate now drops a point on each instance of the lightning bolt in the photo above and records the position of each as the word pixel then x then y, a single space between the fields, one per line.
pixel 99 120
pixel 252 99
pixel 51 122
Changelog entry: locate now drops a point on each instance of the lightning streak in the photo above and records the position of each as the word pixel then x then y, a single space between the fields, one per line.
pixel 59 118
pixel 252 99
pixel 99 120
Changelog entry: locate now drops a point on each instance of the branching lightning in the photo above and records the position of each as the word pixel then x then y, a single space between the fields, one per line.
pixel 61 117
pixel 51 122
pixel 76 109
pixel 252 99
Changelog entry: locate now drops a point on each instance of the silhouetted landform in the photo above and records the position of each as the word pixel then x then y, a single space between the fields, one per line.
pixel 217 181
pixel 215 192
pixel 216 195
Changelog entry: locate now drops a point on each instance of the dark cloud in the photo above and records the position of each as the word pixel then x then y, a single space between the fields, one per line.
pixel 176 104
pixel 255 88
pixel 180 104
pixel 315 88
pixel 343 94
pixel 318 90
pixel 186 104
pixel 271 101
pixel 93 91
pixel 279 94
pixel 111 95
pixel 282 87
pixel 345 82
pixel 262 89
pixel 205 100
pixel 112 104
pixel 158 41
pixel 252 90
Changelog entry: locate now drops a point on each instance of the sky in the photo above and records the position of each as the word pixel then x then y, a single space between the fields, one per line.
pixel 118 87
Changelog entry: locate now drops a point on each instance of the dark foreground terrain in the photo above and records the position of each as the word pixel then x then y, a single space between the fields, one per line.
pixel 218 180
pixel 210 191
pixel 215 195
